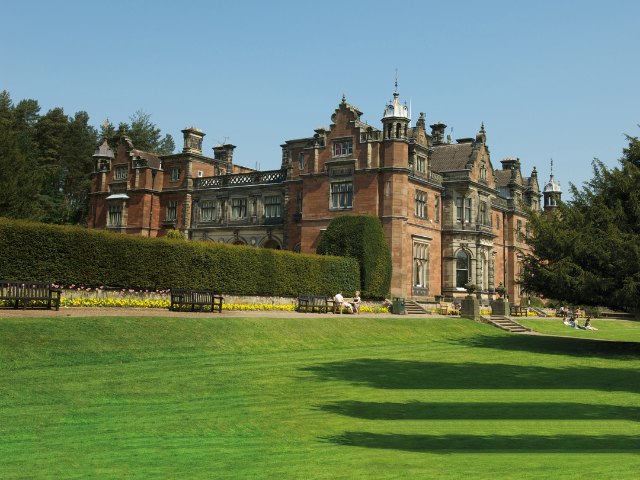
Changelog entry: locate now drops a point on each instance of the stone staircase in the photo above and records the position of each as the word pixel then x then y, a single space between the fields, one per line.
pixel 505 323
pixel 539 311
pixel 412 308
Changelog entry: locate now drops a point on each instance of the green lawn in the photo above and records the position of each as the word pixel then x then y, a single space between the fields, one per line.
pixel 316 398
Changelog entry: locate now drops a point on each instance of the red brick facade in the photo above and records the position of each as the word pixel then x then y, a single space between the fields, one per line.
pixel 449 216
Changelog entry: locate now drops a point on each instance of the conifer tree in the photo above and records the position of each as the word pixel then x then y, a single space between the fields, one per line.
pixel 589 252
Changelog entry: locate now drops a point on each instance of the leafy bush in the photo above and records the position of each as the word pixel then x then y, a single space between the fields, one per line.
pixel 361 237
pixel 536 302
pixel 175 234
pixel 66 255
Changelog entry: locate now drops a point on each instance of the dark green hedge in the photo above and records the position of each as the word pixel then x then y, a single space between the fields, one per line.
pixel 361 237
pixel 72 255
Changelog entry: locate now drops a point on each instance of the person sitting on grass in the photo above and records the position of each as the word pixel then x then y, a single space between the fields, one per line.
pixel 587 324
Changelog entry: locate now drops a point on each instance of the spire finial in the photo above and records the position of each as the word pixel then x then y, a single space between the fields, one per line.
pixel 552 167
pixel 396 83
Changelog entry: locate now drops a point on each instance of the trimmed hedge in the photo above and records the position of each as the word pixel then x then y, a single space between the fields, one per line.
pixel 73 255
pixel 361 237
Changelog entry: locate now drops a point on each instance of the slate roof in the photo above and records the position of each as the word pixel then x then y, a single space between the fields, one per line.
pixel 502 177
pixel 151 158
pixel 450 157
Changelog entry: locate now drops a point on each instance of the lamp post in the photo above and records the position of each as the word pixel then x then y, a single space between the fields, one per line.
pixel 154 172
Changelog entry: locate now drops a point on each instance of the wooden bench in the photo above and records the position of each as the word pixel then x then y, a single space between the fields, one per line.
pixel 182 298
pixel 518 311
pixel 448 308
pixel 313 303
pixel 15 293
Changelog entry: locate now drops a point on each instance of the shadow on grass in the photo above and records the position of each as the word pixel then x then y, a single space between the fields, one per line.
pixel 406 374
pixel 578 347
pixel 481 411
pixel 491 443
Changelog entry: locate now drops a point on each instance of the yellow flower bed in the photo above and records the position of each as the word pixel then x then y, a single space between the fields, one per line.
pixel 125 302
pixel 114 302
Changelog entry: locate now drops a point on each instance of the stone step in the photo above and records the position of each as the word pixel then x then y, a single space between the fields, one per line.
pixel 505 323
pixel 413 308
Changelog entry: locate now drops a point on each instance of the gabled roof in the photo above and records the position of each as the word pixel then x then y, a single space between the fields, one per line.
pixel 450 157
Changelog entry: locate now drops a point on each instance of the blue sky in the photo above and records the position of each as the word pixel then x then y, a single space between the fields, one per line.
pixel 549 79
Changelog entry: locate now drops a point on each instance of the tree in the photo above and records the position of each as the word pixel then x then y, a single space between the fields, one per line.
pixel 19 177
pixel 589 252
pixel 50 137
pixel 142 132
pixel 361 237
pixel 81 139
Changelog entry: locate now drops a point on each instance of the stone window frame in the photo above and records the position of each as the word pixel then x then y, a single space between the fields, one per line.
pixel 420 275
pixel 272 205
pixel 299 200
pixel 421 164
pixel 459 208
pixel 461 282
pixel 208 210
pixel 121 172
pixel 175 174
pixel 483 213
pixel 171 214
pixel 468 205
pixel 421 204
pixel 238 208
pixel 343 147
pixel 115 214
pixel 341 195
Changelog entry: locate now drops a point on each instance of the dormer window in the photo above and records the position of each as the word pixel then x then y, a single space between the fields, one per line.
pixel 421 164
pixel 343 148
pixel 121 172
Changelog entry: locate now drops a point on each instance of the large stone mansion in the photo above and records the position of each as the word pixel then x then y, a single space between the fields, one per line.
pixel 450 217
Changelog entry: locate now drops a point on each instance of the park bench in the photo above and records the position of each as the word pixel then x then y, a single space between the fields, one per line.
pixel 518 311
pixel 26 294
pixel 448 308
pixel 182 298
pixel 313 303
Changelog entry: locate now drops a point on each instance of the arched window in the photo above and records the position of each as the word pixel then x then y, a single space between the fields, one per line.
pixel 462 269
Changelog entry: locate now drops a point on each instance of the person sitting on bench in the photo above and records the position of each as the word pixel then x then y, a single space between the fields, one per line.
pixel 356 302
pixel 338 303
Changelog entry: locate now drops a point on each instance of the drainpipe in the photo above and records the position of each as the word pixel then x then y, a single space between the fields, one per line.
pixel 154 172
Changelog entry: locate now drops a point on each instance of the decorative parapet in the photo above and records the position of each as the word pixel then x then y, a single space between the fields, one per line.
pixel 460 175
pixel 253 178
pixel 499 202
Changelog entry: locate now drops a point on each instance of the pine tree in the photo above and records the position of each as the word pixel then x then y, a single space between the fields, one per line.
pixel 19 179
